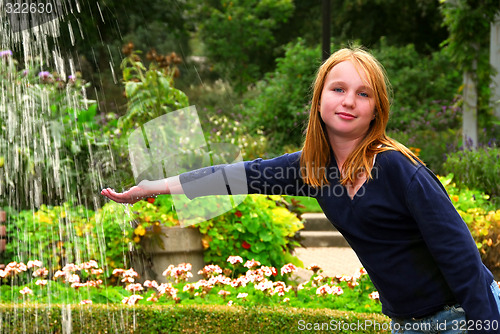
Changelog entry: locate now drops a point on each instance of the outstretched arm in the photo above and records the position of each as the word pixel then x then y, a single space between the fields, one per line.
pixel 145 189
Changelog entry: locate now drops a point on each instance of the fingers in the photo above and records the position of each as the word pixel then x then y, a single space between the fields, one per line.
pixel 118 197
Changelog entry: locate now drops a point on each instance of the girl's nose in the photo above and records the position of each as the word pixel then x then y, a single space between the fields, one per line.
pixel 349 100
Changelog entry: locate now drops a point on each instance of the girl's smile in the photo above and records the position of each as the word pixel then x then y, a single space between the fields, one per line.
pixel 347 102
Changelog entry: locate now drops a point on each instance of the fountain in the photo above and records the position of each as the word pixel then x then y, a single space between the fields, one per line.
pixel 53 161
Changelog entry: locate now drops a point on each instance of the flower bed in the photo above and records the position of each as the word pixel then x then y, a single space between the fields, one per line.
pixel 257 287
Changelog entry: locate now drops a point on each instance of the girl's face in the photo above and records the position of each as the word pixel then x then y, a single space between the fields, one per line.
pixel 347 103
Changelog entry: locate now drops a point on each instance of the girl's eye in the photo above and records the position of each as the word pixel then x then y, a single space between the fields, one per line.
pixel 338 90
pixel 363 94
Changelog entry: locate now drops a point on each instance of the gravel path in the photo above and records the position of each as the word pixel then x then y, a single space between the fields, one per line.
pixel 333 261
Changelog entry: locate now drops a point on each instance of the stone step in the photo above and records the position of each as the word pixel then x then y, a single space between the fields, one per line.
pixel 322 239
pixel 317 222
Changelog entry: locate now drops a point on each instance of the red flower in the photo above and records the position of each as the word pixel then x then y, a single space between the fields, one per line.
pixel 245 245
pixel 151 200
pixel 238 214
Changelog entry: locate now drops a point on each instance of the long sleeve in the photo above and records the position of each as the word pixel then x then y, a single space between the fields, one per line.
pixel 453 248
pixel 277 176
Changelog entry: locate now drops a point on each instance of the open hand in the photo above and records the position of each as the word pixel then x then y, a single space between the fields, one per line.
pixel 143 190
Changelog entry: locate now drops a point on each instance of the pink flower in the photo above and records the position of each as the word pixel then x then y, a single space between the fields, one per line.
pixel 41 272
pixel 74 279
pixel 288 268
pixel 26 291
pixel 152 298
pixel 210 270
pixel 230 303
pixel 224 293
pixel 86 301
pixel 150 284
pixel 132 300
pixel 234 259
pixel 118 272
pixel 251 264
pixel 35 263
pixel 90 264
pixel 268 271
pixel 41 282
pixel 96 271
pixel 374 295
pixel 167 288
pixel 242 295
pixel 134 287
pixel 180 273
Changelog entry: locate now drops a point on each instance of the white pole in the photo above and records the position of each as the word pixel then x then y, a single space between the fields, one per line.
pixel 495 63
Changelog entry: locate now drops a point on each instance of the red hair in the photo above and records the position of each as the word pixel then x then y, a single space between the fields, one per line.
pixel 316 150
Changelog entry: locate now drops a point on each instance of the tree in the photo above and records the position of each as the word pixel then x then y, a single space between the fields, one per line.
pixel 400 22
pixel 238 36
pixel 468 23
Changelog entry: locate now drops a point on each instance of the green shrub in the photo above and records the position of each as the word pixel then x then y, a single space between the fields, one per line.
pixel 431 146
pixel 87 319
pixel 58 235
pixel 478 169
pixel 280 103
pixel 226 130
pixel 50 143
pixel 423 87
pixel 150 91
pixel 259 229
pixel 482 217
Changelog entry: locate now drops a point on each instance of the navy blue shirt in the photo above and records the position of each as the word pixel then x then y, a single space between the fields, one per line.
pixel 402 225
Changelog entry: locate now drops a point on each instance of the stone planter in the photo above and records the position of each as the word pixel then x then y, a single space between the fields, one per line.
pixel 182 245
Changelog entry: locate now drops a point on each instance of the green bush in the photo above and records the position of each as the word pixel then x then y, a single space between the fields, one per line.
pixel 181 319
pixel 482 217
pixel 431 146
pixel 478 169
pixel 58 235
pixel 280 102
pixel 238 36
pixel 50 146
pixel 259 229
pixel 423 87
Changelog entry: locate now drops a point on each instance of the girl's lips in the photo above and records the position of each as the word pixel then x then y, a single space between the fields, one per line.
pixel 345 115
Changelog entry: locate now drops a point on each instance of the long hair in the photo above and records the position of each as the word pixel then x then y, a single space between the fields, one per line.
pixel 316 152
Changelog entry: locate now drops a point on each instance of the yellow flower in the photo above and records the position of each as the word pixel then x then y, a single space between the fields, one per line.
pixel 140 231
pixel 137 239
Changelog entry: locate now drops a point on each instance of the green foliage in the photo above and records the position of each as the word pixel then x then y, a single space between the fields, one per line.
pixel 400 22
pixel 226 130
pixel 58 235
pixel 49 139
pixel 150 92
pixel 431 146
pixel 479 169
pixel 423 88
pixel 468 23
pixel 256 286
pixel 481 216
pixel 183 318
pixel 238 36
pixel 280 103
pixel 257 229
pixel 54 235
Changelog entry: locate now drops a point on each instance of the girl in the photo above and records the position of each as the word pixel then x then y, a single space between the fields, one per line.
pixel 391 209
